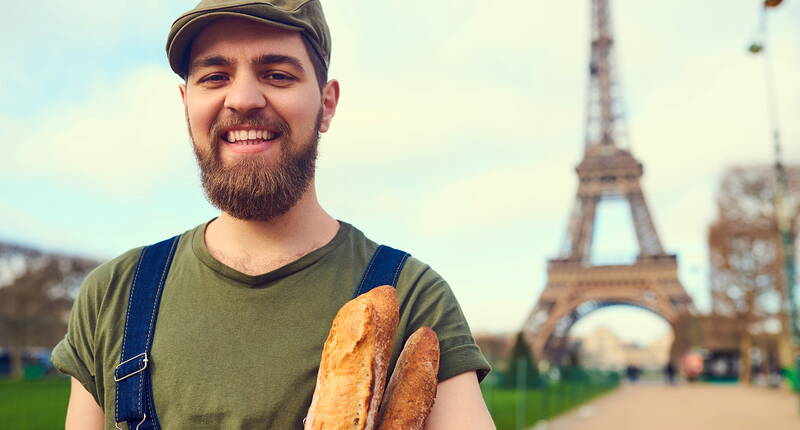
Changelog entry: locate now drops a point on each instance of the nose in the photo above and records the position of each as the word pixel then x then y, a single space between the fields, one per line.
pixel 245 95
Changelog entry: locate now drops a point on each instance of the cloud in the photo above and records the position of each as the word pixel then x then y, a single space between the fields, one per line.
pixel 86 21
pixel 530 192
pixel 380 123
pixel 123 138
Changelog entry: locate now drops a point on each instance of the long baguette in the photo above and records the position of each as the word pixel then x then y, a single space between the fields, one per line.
pixel 412 388
pixel 354 363
pixel 385 300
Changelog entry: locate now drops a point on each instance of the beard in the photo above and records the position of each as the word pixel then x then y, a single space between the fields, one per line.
pixel 250 189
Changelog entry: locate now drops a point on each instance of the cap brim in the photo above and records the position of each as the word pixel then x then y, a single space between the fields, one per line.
pixel 178 47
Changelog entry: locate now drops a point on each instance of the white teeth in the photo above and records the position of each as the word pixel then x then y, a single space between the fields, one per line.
pixel 245 136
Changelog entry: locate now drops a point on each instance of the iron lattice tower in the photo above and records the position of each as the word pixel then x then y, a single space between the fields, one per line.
pixel 574 286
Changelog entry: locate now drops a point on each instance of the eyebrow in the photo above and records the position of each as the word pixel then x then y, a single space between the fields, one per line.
pixel 278 59
pixel 263 60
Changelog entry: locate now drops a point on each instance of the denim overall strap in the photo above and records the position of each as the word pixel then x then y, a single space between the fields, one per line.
pixel 134 394
pixel 383 269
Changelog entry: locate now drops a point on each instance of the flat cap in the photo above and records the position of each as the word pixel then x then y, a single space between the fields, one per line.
pixel 300 15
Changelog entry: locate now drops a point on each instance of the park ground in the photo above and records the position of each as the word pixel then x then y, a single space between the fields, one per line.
pixel 684 407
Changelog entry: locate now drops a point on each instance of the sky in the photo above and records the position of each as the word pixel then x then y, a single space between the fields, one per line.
pixel 456 136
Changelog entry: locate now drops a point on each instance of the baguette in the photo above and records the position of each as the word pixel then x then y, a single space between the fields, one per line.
pixel 354 362
pixel 412 388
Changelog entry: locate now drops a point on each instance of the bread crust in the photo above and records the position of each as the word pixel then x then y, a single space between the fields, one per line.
pixel 354 363
pixel 412 389
pixel 384 299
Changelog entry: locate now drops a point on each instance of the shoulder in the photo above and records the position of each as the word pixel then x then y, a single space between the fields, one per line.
pixel 105 283
pixel 97 283
pixel 416 273
pixel 416 276
pixel 417 280
pixel 115 275
pixel 424 292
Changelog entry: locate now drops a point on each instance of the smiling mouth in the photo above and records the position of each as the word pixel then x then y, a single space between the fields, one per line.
pixel 250 136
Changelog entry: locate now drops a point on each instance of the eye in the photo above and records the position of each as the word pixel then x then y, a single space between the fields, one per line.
pixel 214 78
pixel 279 78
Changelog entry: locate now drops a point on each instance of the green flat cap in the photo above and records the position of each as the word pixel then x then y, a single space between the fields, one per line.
pixel 300 15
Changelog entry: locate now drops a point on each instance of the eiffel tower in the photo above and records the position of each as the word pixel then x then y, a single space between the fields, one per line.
pixel 576 287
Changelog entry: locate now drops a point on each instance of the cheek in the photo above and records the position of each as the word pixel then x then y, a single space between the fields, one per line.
pixel 299 109
pixel 201 113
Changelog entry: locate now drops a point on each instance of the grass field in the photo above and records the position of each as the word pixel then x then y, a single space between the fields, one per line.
pixel 33 405
pixel 41 405
pixel 530 406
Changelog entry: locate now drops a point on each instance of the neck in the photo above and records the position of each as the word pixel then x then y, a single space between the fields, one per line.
pixel 260 246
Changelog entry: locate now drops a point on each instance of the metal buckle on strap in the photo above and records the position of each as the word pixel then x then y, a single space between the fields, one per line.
pixel 137 425
pixel 117 379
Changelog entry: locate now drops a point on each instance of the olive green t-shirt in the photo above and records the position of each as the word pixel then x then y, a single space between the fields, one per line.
pixel 233 351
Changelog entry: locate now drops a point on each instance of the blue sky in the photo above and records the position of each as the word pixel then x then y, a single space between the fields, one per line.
pixel 456 135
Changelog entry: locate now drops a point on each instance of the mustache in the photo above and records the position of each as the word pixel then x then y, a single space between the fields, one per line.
pixel 253 120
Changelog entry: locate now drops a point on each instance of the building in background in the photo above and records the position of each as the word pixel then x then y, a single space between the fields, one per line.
pixel 602 349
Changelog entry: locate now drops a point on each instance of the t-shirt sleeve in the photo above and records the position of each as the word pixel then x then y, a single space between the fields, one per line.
pixel 74 355
pixel 431 302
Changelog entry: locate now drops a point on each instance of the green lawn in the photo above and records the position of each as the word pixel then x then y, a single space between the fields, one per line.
pixel 33 405
pixel 508 406
pixel 41 405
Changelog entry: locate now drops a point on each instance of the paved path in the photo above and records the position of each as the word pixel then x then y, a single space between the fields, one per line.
pixel 685 407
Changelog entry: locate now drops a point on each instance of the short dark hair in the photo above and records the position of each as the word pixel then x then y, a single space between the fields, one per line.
pixel 320 70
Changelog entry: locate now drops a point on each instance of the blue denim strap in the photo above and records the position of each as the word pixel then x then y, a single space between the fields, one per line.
pixel 383 269
pixel 134 393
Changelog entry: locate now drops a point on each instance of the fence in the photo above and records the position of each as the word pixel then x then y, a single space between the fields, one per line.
pixel 523 406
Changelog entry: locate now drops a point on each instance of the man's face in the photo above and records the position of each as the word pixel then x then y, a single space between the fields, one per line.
pixel 254 110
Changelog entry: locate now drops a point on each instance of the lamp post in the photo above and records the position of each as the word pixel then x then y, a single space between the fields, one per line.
pixel 783 216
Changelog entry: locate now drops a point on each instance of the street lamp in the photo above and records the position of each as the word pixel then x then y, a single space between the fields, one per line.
pixel 783 214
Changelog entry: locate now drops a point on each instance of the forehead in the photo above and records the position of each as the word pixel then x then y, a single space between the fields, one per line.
pixel 243 37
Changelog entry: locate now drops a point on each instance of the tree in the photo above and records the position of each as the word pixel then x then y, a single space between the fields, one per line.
pixel 35 300
pixel 521 360
pixel 747 279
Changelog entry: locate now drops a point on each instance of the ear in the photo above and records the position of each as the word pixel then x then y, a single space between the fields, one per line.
pixel 330 98
pixel 182 88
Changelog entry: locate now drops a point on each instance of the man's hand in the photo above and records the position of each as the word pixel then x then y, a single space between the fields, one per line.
pixel 459 405
pixel 83 412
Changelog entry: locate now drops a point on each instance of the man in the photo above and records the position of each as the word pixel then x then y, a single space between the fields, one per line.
pixel 246 300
